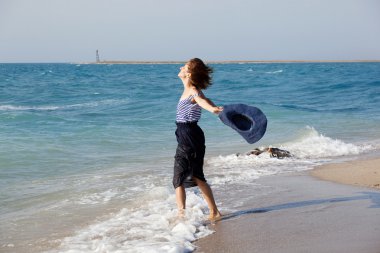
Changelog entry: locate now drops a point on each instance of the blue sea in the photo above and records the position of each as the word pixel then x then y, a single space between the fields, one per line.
pixel 86 150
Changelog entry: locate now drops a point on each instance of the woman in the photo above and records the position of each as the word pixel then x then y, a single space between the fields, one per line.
pixel 188 165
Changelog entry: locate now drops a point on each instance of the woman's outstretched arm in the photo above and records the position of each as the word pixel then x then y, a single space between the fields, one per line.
pixel 207 104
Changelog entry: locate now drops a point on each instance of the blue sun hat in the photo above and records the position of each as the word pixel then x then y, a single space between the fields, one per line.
pixel 249 121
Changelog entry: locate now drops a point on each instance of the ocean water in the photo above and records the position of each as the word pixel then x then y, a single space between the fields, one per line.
pixel 86 151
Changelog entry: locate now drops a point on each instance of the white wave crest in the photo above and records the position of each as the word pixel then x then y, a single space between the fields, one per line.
pixel 27 108
pixel 107 102
pixel 312 144
pixel 274 72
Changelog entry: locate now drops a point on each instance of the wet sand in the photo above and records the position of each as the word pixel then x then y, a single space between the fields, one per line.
pixel 301 214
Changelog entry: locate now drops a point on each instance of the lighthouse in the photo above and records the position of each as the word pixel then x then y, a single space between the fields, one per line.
pixel 97 56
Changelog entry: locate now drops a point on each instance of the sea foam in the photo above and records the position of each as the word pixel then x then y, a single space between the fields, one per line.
pixel 152 227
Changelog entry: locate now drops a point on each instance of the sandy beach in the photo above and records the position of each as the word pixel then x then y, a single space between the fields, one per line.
pixel 307 214
pixel 362 172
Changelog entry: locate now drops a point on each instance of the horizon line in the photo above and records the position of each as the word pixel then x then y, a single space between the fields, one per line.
pixel 208 62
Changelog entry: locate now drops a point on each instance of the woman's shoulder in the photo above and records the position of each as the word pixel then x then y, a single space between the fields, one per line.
pixel 196 92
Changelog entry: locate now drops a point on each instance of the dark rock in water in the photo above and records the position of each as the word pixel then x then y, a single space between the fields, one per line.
pixel 274 152
pixel 279 153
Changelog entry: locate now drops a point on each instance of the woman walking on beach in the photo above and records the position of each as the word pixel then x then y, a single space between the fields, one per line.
pixel 188 165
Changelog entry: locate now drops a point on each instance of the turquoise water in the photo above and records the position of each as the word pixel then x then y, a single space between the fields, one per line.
pixel 82 135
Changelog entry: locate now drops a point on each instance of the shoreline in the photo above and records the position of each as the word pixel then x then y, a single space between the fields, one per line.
pixel 302 213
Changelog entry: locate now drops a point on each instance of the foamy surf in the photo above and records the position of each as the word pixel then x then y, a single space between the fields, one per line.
pixel 152 227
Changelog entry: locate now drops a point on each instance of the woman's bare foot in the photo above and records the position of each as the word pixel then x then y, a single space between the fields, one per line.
pixel 215 216
pixel 181 213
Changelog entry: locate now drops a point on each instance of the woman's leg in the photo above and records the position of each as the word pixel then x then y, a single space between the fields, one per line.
pixel 209 197
pixel 180 196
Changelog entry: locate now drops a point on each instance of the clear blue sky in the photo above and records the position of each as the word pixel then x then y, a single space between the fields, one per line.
pixel 72 30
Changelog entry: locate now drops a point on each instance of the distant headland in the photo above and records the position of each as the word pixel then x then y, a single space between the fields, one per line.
pixel 98 61
pixel 230 61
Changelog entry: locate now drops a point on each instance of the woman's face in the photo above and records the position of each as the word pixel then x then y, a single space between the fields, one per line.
pixel 184 72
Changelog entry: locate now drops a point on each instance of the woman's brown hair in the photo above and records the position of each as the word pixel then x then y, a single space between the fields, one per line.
pixel 200 74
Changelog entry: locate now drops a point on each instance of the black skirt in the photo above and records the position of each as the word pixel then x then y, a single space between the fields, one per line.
pixel 188 160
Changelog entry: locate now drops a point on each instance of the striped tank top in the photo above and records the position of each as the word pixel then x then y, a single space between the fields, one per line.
pixel 187 111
